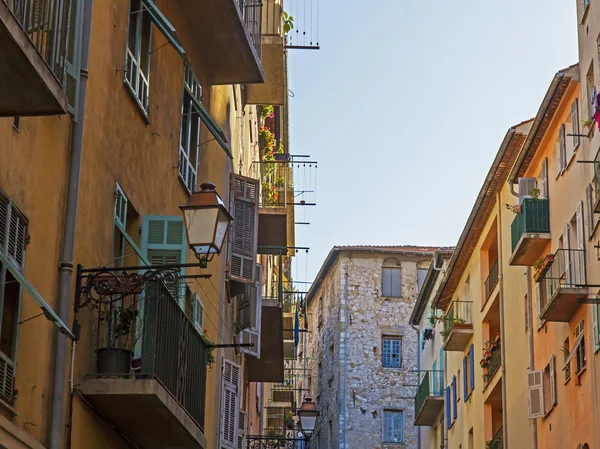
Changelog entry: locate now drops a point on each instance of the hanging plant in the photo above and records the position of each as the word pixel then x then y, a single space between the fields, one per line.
pixel 267 111
pixel 210 357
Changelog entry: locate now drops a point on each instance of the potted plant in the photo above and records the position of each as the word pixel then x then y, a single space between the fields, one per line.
pixel 544 266
pixel 514 208
pixel 289 421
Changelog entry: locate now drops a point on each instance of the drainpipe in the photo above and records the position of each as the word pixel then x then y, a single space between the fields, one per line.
pixel 346 318
pixel 66 264
pixel 531 354
pixel 416 329
pixel 503 346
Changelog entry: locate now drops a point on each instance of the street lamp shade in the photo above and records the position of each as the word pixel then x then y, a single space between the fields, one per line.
pixel 307 415
pixel 206 221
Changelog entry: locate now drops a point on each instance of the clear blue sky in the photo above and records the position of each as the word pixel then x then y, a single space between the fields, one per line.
pixel 405 107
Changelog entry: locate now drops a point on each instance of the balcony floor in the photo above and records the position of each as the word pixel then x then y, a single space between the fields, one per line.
pixel 529 248
pixel 563 304
pixel 145 412
pixel 459 337
pixel 431 408
pixel 29 88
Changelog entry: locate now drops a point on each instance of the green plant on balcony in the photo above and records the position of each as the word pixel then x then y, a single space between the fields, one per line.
pixel 288 23
pixel 210 356
pixel 449 323
pixel 494 443
pixel 538 263
pixel 535 194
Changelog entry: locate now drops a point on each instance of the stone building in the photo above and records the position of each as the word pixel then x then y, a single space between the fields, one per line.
pixel 360 349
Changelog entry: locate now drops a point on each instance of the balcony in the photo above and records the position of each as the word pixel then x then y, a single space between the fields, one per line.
pixel 276 195
pixel 530 231
pixel 491 363
pixel 496 442
pixel 37 61
pixel 491 281
pixel 150 375
pixel 429 400
pixel 458 326
pixel 269 367
pixel 562 285
pixel 229 32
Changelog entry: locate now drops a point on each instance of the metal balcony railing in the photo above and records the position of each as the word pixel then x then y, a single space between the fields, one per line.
pixel 568 270
pixel 276 442
pixel 432 384
pixel 459 314
pixel 491 280
pixel 493 360
pixel 497 442
pixel 276 182
pixel 50 25
pixel 533 218
pixel 147 335
pixel 252 14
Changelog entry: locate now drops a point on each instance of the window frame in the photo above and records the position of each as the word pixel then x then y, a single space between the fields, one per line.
pixel 190 136
pixel 390 339
pixel 395 413
pixel 580 355
pixel 395 268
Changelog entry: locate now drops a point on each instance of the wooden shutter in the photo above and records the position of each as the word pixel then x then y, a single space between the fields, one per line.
pixel 566 254
pixel 252 332
pixel 563 147
pixel 454 398
pixel 575 122
pixel 386 282
pixel 70 50
pixel 241 430
pixel 535 399
pixel 396 282
pixel 589 196
pixel 229 404
pixel 120 206
pixel 465 390
pixel 244 235
pixel 472 367
pixel 448 416
pixel 545 190
pixel 580 230
pixel 553 381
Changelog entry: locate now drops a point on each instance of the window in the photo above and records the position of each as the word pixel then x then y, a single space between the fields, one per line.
pixel 567 365
pixel 13 239
pixel 590 83
pixel 472 367
pixel 454 398
pixel 392 352
pixel 391 284
pixel 126 221
pixel 393 426
pixel 137 61
pixel 421 274
pixel 465 378
pixel 198 312
pixel 580 354
pixel 549 385
pixel 561 150
pixel 591 219
pixel 189 136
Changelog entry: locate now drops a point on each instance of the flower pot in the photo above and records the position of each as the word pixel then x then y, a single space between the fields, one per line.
pixel 113 361
pixel 546 264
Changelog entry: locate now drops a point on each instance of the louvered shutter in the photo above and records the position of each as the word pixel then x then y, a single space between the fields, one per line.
pixel 4 204
pixel 448 416
pixel 465 390
pixel 526 188
pixel 566 255
pixel 589 197
pixel 563 147
pixel 120 206
pixel 434 381
pixel 454 398
pixel 229 405
pixel 244 238
pixel 545 190
pixel 553 381
pixel 472 367
pixel 538 300
pixel 535 399
pixel 595 330
pixel 579 257
pixel 251 332
pixel 70 50
pixel 241 430
pixel 575 122
pixel 198 313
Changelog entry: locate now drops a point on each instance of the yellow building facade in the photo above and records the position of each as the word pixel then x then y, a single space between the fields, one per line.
pixel 114 113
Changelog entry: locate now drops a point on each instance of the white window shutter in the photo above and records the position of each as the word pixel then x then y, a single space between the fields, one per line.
pixel 580 230
pixel 120 206
pixel 538 300
pixel 566 254
pixel 553 381
pixel 244 229
pixel 589 195
pixel 252 334
pixel 563 147
pixel 595 330
pixel 241 430
pixel 198 313
pixel 535 399
pixel 229 404
pixel 544 188
pixel 526 188
pixel 575 122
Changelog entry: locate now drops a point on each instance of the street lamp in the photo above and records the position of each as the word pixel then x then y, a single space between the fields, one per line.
pixel 307 415
pixel 206 222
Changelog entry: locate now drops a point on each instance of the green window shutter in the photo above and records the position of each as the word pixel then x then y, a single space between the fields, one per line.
pixel 70 50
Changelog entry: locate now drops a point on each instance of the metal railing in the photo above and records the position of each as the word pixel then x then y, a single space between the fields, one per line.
pixel 432 384
pixel 494 361
pixel 252 14
pixel 568 270
pixel 50 25
pixel 276 182
pixel 276 442
pixel 459 314
pixel 533 218
pixel 147 335
pixel 497 442
pixel 491 280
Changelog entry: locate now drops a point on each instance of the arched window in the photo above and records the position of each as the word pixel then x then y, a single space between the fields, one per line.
pixel 391 278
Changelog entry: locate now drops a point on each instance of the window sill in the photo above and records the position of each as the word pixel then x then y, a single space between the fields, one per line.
pixel 139 107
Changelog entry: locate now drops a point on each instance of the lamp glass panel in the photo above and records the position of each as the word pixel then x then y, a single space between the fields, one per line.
pixel 307 422
pixel 222 226
pixel 200 224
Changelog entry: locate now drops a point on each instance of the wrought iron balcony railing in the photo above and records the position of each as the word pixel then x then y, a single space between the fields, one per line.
pixel 491 280
pixel 432 384
pixel 276 442
pixel 459 314
pixel 492 360
pixel 533 218
pixel 276 183
pixel 252 13
pixel 568 270
pixel 141 331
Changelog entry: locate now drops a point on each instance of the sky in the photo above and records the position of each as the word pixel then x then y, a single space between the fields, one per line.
pixel 405 106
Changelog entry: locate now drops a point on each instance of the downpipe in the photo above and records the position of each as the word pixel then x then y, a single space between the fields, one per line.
pixel 56 428
pixel 416 329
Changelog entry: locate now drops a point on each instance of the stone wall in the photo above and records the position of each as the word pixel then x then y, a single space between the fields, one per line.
pixel 370 388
